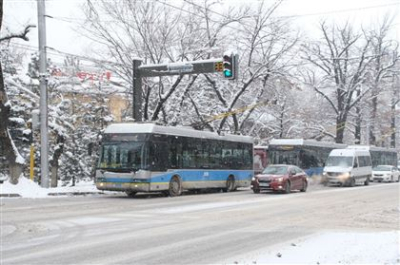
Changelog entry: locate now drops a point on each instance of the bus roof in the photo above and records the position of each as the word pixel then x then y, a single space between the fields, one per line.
pixel 303 142
pixel 372 148
pixel 170 130
pixel 349 152
pixel 261 147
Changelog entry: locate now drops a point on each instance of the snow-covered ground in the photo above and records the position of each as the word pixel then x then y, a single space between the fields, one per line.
pixel 330 247
pixel 29 189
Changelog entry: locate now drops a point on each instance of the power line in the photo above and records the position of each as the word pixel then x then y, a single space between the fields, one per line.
pixel 341 10
pixel 56 52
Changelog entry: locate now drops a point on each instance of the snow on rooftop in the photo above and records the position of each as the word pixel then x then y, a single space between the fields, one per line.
pixel 170 130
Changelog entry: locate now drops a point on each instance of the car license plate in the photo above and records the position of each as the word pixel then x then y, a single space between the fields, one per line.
pixel 264 184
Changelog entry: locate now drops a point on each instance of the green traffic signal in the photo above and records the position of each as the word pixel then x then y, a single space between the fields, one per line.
pixel 227 73
pixel 229 63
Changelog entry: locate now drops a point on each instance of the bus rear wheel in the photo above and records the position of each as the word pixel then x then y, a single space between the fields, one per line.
pixel 230 184
pixel 131 194
pixel 175 187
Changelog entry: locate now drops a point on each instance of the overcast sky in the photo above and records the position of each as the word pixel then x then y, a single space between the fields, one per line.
pixel 62 34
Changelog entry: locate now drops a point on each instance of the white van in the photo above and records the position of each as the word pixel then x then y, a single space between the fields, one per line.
pixel 348 167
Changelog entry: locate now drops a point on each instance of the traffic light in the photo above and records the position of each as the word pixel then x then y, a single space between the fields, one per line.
pixel 229 64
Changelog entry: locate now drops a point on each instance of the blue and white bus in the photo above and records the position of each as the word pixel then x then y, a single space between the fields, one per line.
pixel 144 157
pixel 309 155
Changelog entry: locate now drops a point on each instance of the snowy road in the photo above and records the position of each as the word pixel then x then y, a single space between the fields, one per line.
pixel 192 229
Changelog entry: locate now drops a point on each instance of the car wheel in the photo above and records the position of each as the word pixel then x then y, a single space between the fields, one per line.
pixel 287 187
pixel 398 179
pixel 304 189
pixel 256 190
pixel 175 187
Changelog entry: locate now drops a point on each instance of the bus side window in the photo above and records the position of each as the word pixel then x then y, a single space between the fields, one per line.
pixel 158 156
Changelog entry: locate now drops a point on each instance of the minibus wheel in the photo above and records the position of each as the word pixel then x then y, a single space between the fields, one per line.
pixel 352 182
pixel 366 183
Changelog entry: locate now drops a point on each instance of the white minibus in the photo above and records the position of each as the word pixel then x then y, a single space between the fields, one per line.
pixel 348 167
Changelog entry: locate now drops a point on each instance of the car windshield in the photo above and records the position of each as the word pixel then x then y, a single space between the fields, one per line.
pixel 382 168
pixel 275 170
pixel 339 161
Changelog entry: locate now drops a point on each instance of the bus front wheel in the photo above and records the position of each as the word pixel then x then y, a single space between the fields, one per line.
pixel 175 187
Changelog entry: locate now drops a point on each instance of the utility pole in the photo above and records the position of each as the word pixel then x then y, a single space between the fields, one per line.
pixel 44 141
pixel 137 92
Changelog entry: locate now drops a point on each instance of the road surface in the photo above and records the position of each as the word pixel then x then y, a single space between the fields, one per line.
pixel 190 229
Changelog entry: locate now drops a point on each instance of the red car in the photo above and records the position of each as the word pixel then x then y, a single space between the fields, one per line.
pixel 283 178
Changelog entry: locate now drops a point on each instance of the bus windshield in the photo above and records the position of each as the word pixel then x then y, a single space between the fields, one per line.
pixel 339 161
pixel 122 156
pixel 284 157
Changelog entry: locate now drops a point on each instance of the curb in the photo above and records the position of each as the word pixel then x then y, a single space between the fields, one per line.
pixel 10 195
pixel 73 193
pixel 53 194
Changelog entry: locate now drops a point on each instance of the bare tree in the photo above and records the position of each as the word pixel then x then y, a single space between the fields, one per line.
pixel 264 50
pixel 13 159
pixel 340 66
pixel 162 31
pixel 382 70
pixel 154 31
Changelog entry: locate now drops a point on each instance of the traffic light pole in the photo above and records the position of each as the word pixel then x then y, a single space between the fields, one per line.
pixel 182 68
pixel 137 91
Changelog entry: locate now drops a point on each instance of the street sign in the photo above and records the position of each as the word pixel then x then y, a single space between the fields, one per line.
pixel 193 67
pixel 180 68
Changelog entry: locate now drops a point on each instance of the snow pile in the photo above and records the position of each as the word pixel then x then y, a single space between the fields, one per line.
pixel 29 189
pixel 331 248
pixel 25 188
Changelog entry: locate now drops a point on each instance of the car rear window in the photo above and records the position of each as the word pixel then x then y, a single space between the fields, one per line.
pixel 275 170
